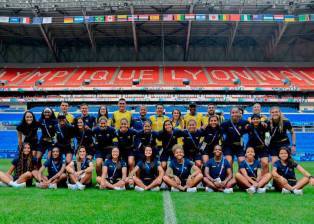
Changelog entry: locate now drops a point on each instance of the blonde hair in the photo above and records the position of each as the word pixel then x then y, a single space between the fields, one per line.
pixel 176 147
pixel 281 119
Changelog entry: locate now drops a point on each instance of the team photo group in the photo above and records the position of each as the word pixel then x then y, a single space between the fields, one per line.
pixel 151 153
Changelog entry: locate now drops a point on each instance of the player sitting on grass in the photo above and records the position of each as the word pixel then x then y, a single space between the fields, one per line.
pixel 178 174
pixel 250 176
pixel 22 170
pixel 284 175
pixel 80 171
pixel 218 173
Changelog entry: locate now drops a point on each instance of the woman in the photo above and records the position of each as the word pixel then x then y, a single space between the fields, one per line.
pixel 213 136
pixel 103 112
pixel 179 175
pixel 177 120
pixel 80 171
pixel 114 174
pixel 56 171
pixel 27 131
pixel 218 173
pixel 250 176
pixel 148 172
pixel 47 124
pixel 104 135
pixel 84 137
pixel 22 170
pixel 278 128
pixel 284 175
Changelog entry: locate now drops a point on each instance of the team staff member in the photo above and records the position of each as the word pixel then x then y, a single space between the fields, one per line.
pixel 158 121
pixel 103 112
pixel 147 174
pixel 211 111
pixel 27 131
pixel 257 109
pixel 218 173
pixel 64 108
pixel 279 126
pixel 234 129
pixel 193 115
pixel 89 120
pixel 114 174
pixel 104 135
pixel 249 176
pixel 138 122
pixel 121 113
pixel 179 175
pixel 284 174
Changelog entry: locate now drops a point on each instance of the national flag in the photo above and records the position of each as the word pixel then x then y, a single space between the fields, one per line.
pixel 200 17
pixel 312 17
pixel 143 17
pixel 154 17
pixel 122 18
pixel 178 17
pixel 89 19
pixel 289 18
pixel 14 20
pixel 246 17
pixel 68 20
pixel 257 17
pixel 4 19
pixel 167 17
pixel 268 17
pixel 279 18
pixel 213 17
pixel 99 19
pixel 234 17
pixel 303 18
pixel 78 19
pixel 37 20
pixel 47 20
pixel 224 17
pixel 132 17
pixel 26 20
pixel 109 19
pixel 189 16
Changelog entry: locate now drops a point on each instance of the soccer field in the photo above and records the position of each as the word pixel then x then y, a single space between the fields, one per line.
pixel 33 205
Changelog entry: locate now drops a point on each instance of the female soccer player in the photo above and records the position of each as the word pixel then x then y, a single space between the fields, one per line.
pixel 104 135
pixel 279 126
pixel 103 112
pixel 27 131
pixel 177 120
pixel 56 171
pixel 249 176
pixel 80 171
pixel 218 173
pixel 22 170
pixel 284 175
pixel 178 174
pixel 148 172
pixel 114 174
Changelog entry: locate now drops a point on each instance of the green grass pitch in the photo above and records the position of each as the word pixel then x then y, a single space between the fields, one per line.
pixel 33 205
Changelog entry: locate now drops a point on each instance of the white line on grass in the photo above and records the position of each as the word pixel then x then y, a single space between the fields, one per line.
pixel 169 211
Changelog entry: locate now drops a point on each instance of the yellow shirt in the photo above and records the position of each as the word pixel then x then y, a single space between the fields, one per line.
pixel 197 117
pixel 157 123
pixel 68 116
pixel 117 116
pixel 205 119
pixel 179 126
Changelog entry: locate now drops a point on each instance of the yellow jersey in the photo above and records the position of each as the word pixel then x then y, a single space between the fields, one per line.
pixel 68 116
pixel 178 125
pixel 198 117
pixel 117 116
pixel 157 123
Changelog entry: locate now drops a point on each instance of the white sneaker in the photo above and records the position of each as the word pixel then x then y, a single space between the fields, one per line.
pixel 173 189
pixel 298 192
pixel 270 186
pixel 21 185
pixel 163 186
pixel 80 186
pixel 191 189
pixel 3 184
pixel 72 186
pixel 208 189
pixel 228 190
pixel 38 184
pixel 52 186
pixel 131 186
pixel 285 191
pixel 138 189
pixel 119 188
pixel 155 189
pixel 200 186
pixel 251 190
pixel 261 190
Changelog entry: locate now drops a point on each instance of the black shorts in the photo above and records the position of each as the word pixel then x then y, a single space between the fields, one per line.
pixel 103 154
pixel 43 146
pixel 209 151
pixel 274 148
pixel 65 149
pixel 183 181
pixel 113 180
pixel 193 156
pixel 147 181
pixel 291 182
pixel 260 151
pixel 233 150
pixel 165 155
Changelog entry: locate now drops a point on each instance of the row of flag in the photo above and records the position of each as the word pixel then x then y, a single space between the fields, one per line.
pixel 161 17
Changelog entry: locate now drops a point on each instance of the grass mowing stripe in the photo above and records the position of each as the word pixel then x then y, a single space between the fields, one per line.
pixel 169 211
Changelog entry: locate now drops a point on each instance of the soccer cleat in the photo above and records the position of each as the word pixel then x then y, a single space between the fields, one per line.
pixel 191 189
pixel 228 190
pixel 119 188
pixel 285 191
pixel 251 190
pixel 208 189
pixel 261 190
pixel 173 189
pixel 155 189
pixel 52 186
pixel 80 186
pixel 21 185
pixel 3 184
pixel 138 189
pixel 72 186
pixel 298 192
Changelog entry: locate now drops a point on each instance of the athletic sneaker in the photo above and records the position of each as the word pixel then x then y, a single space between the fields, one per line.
pixel 52 186
pixel 80 186
pixel 228 190
pixel 72 186
pixel 138 189
pixel 155 189
pixel 38 185
pixel 173 189
pixel 163 186
pixel 208 189
pixel 298 192
pixel 16 185
pixel 261 190
pixel 3 184
pixel 270 186
pixel 119 188
pixel 191 189
pixel 285 191
pixel 130 186
pixel 251 190
pixel 200 186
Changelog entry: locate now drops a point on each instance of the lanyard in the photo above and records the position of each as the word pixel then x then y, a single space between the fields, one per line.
pixel 83 164
pixel 235 128
pixel 182 168
pixel 248 166
pixel 60 131
pixel 274 132
pixel 257 135
pixel 169 141
pixel 213 138
pixel 114 171
pixel 54 166
pixel 47 129
pixel 147 166
pixel 286 171
pixel 192 139
pixel 222 164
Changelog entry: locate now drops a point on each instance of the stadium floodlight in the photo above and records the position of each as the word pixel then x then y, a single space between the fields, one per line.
pixel 186 82
pixel 39 82
pixel 3 82
pixel 135 82
pixel 86 82
pixel 236 81
pixel 286 82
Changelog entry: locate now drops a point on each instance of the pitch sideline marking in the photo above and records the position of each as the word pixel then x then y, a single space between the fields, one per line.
pixel 169 211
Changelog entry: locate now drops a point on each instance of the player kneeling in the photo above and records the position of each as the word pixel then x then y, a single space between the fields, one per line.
pixel 250 175
pixel 114 172
pixel 80 171
pixel 178 174
pixel 218 173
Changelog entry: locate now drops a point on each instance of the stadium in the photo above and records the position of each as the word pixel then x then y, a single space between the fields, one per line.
pixel 226 53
